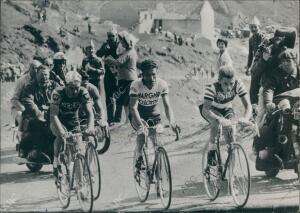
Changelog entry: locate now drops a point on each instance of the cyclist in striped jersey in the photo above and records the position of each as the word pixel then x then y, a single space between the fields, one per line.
pixel 217 107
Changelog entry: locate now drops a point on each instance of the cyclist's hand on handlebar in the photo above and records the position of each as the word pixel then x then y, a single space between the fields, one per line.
pixel 66 135
pixel 175 127
pixel 90 131
pixel 142 131
pixel 225 122
pixel 245 122
pixel 103 123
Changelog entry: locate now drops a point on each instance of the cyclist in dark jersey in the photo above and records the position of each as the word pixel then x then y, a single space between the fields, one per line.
pixel 144 97
pixel 64 107
pixel 217 107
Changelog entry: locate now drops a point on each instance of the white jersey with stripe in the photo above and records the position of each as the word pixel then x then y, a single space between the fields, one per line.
pixel 221 99
pixel 148 99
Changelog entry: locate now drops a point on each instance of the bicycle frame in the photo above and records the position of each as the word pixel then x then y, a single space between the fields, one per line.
pixel 229 151
pixel 151 171
pixel 71 157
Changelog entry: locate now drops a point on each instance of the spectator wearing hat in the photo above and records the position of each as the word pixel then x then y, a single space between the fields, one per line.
pixel 255 40
pixel 285 77
pixel 224 58
pixel 93 66
pixel 109 49
pixel 127 71
pixel 59 69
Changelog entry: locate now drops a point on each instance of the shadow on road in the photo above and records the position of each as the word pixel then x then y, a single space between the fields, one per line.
pixel 265 185
pixel 24 177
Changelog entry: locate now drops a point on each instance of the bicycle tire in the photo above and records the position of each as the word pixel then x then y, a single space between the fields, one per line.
pixel 106 143
pixel 65 178
pixel 86 177
pixel 137 178
pixel 92 155
pixel 163 156
pixel 212 188
pixel 232 175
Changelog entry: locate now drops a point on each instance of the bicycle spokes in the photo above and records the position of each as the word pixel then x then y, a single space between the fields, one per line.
pixel 141 178
pixel 239 176
pixel 63 185
pixel 212 175
pixel 164 178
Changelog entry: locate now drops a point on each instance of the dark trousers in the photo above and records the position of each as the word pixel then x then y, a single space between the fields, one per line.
pixel 110 87
pixel 122 97
pixel 254 88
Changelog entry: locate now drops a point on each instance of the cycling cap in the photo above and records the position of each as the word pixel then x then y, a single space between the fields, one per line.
pixel 73 77
pixel 148 64
pixel 59 56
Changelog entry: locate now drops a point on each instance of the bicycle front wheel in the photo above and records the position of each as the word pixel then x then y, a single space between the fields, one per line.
pixel 164 178
pixel 141 178
pixel 63 183
pixel 211 174
pixel 239 175
pixel 94 165
pixel 83 183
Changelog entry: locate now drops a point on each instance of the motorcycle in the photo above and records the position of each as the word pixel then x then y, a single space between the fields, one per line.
pixel 35 145
pixel 277 147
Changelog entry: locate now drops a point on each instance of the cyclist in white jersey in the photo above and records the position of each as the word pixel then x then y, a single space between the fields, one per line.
pixel 144 98
pixel 217 107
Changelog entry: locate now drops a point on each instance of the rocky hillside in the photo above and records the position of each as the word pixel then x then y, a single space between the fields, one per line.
pixel 22 36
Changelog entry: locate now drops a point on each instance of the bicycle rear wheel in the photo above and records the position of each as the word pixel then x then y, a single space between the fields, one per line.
pixel 211 175
pixel 141 179
pixel 239 175
pixel 94 165
pixel 83 183
pixel 164 177
pixel 63 183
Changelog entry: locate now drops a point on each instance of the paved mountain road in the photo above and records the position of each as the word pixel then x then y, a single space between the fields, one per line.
pixel 24 191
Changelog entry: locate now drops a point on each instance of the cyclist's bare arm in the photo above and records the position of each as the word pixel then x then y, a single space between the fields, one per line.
pixel 133 108
pixel 208 113
pixel 54 110
pixel 99 108
pixel 248 107
pixel 168 109
pixel 90 115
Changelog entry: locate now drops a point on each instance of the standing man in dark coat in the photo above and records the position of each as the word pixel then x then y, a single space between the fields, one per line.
pixel 109 48
pixel 254 42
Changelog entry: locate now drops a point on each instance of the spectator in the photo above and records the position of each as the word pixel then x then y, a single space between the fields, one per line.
pixel 93 66
pixel 36 100
pixel 127 72
pixel 16 106
pixel 59 69
pixel 224 58
pixel 109 49
pixel 255 40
